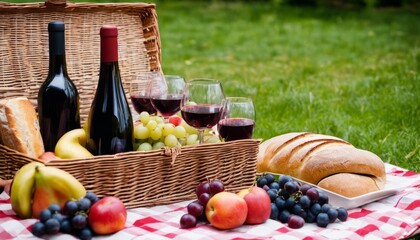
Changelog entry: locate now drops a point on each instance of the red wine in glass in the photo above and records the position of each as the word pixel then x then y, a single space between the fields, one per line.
pixel 201 116
pixel 142 103
pixel 232 129
pixel 167 106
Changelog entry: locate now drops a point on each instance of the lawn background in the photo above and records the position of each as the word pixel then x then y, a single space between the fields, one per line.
pixel 348 72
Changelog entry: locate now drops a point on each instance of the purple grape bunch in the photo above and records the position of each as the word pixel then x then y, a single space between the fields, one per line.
pixel 71 219
pixel 196 209
pixel 295 203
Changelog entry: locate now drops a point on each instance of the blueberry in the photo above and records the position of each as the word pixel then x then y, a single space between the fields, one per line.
pixel 85 234
pixel 70 208
pixel 92 197
pixel 274 211
pixel 83 204
pixel 52 226
pixel 322 220
pixel 44 215
pixel 38 229
pixel 54 208
pixel 332 215
pixel 342 214
pixel 66 226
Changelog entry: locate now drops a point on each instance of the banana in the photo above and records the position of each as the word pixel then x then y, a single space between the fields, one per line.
pixel 72 145
pixel 53 185
pixel 22 190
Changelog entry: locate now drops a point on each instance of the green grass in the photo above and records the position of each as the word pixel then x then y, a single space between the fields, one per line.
pixel 349 73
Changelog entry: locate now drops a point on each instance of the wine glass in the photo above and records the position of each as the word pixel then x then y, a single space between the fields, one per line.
pixel 165 93
pixel 139 91
pixel 237 120
pixel 202 104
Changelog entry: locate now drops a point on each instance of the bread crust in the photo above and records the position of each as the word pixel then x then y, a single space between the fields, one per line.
pixel 315 157
pixel 19 127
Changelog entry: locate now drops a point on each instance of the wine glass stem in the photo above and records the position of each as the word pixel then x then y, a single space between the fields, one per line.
pixel 166 119
pixel 200 136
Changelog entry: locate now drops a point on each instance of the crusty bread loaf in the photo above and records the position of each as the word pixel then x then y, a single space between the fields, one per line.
pixel 19 127
pixel 326 161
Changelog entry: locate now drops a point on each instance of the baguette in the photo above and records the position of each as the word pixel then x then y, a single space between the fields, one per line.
pixel 19 127
pixel 323 160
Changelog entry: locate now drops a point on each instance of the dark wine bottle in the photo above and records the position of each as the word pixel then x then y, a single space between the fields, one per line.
pixel 110 122
pixel 58 99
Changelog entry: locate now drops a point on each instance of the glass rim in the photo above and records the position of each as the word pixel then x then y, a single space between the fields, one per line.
pixel 241 99
pixel 204 81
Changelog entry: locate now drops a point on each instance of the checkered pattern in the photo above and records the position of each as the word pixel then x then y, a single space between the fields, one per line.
pixel 395 217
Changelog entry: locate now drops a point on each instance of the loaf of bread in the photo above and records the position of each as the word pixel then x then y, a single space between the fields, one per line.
pixel 19 127
pixel 326 161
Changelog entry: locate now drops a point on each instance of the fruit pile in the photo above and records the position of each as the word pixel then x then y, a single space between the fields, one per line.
pixel 226 210
pixel 80 218
pixel 151 133
pixel 294 203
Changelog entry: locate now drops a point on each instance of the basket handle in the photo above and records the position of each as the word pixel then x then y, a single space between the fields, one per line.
pixel 55 2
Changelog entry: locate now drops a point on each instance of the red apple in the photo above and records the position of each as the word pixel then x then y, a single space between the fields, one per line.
pixel 175 120
pixel 226 210
pixel 107 215
pixel 48 156
pixel 259 204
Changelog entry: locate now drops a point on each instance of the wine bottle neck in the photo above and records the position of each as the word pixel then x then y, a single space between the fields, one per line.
pixel 109 49
pixel 57 65
pixel 57 53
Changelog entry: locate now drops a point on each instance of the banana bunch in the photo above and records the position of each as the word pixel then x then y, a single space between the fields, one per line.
pixel 36 186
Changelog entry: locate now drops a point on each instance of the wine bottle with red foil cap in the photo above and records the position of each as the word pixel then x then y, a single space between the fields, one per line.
pixel 110 124
pixel 58 99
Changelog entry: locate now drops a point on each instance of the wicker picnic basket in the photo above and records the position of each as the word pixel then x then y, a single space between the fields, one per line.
pixel 137 178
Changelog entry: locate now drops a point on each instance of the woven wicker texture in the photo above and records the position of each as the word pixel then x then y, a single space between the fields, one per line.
pixel 24 45
pixel 137 178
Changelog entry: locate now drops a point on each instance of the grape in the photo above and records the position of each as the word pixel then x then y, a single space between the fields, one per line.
pixel 272 194
pixel 38 229
pixel 141 132
pixel 158 145
pixel 158 119
pixel 325 208
pixel 145 147
pixel 151 125
pixel 322 220
pixel 66 226
pixel 290 202
pixel 70 208
pixel 284 216
pixel 313 194
pixel 92 196
pixel 180 132
pixel 204 198
pixel 182 141
pixel 332 215
pixel 274 211
pixel 284 194
pixel 283 179
pixel 171 140
pixel 58 216
pixel 323 198
pixel 144 117
pixel 295 221
pixel 275 185
pixel 203 187
pixel 342 214
pixel 168 128
pixel 290 187
pixel 310 217
pixel 216 186
pixel 85 234
pixel 79 221
pixel 262 182
pixel 44 215
pixel 296 209
pixel 156 133
pixel 270 178
pixel 54 208
pixel 192 139
pixel 305 201
pixel 83 204
pixel 52 226
pixel 195 208
pixel 280 203
pixel 188 221
pixel 266 188
pixel 305 188
pixel 315 209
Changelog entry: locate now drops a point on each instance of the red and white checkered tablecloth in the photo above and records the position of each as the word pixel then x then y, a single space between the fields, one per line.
pixel 394 217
